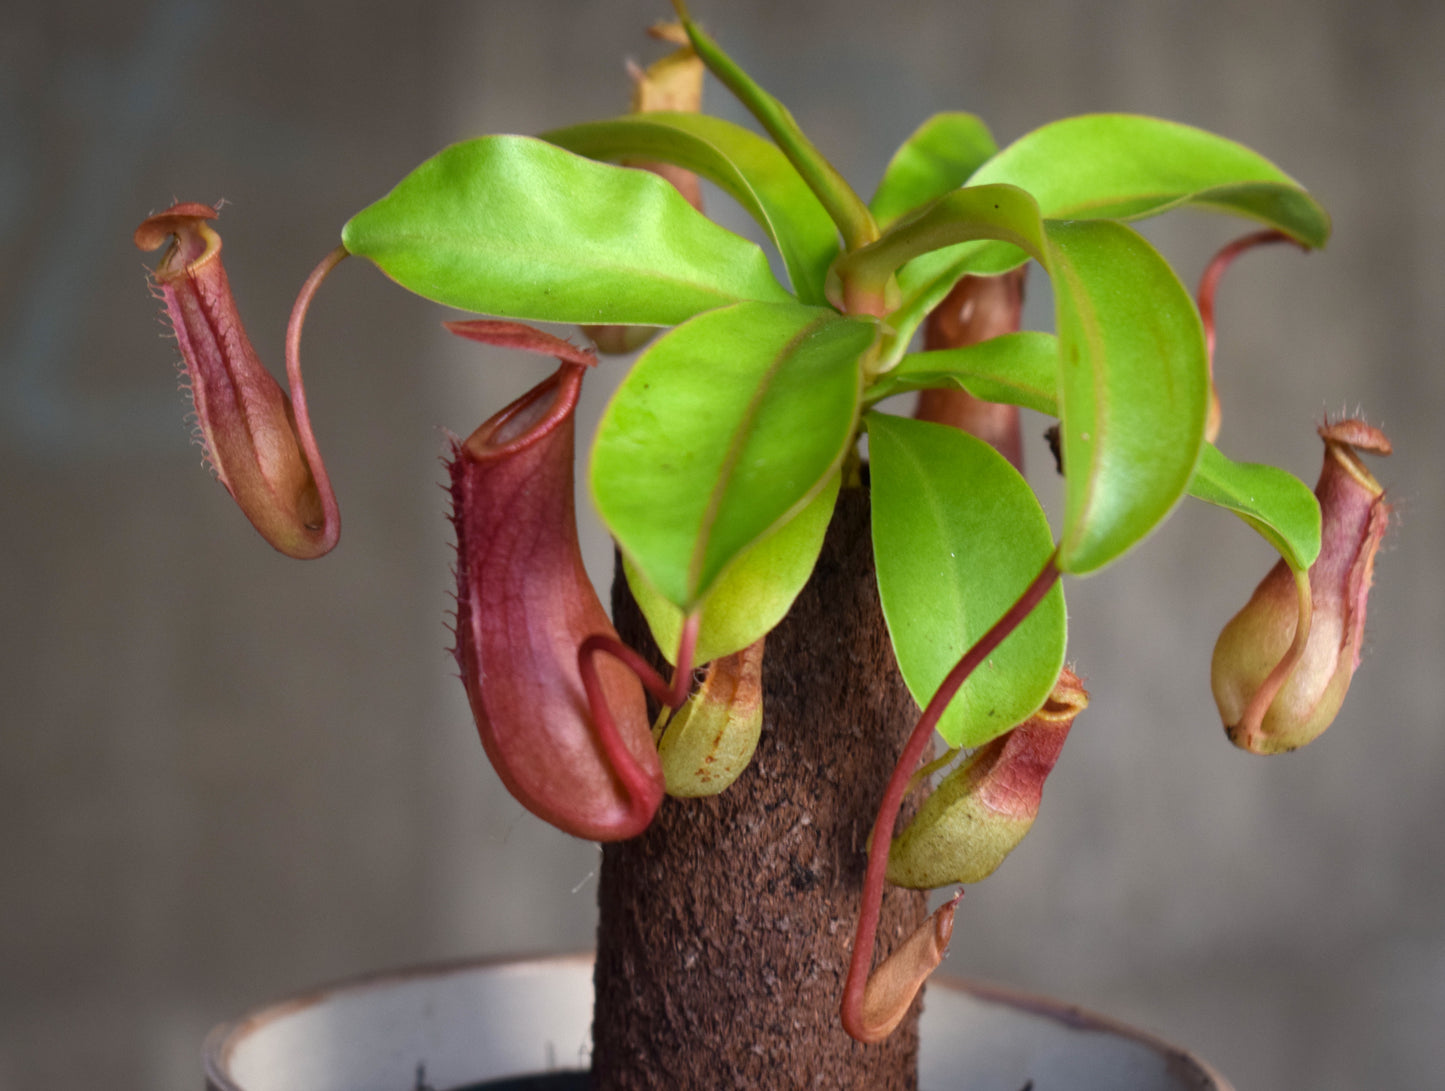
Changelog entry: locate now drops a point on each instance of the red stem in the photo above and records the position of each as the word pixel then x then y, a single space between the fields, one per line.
pixel 882 836
pixel 638 785
pixel 331 529
pixel 1214 272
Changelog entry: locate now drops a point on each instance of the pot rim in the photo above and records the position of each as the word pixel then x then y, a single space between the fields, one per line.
pixel 1077 1017
pixel 222 1042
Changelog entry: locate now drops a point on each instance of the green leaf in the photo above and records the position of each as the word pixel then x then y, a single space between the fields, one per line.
pixel 1003 212
pixel 1133 387
pixel 753 594
pixel 1126 166
pixel 958 535
pixel 1277 504
pixel 1133 375
pixel 1016 369
pixel 845 207
pixel 723 430
pixel 517 227
pixel 751 170
pixel 1115 166
pixel 938 157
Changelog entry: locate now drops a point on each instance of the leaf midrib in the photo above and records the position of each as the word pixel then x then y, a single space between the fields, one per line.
pixel 735 449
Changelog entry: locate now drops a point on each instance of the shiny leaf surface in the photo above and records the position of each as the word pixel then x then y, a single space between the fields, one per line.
pixel 940 156
pixel 1276 503
pixel 753 593
pixel 723 430
pixel 1133 388
pixel 516 227
pixel 958 534
pixel 748 168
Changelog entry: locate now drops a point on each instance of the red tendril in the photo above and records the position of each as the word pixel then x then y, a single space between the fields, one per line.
pixel 882 836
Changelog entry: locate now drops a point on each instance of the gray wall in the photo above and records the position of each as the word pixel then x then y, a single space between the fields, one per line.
pixel 225 776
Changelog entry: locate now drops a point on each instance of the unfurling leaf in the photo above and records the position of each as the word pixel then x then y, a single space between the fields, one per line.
pixel 844 206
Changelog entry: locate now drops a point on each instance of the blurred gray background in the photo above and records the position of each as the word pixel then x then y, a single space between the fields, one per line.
pixel 225 776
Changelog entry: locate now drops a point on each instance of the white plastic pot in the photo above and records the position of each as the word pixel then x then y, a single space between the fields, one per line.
pixel 454 1025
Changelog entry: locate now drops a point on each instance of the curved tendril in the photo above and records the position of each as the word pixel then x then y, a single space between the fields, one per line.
pixel 1208 285
pixel 1253 718
pixel 331 527
pixel 673 696
pixel 1214 273
pixel 853 1011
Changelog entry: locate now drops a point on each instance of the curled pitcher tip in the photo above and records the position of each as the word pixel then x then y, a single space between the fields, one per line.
pixel 256 438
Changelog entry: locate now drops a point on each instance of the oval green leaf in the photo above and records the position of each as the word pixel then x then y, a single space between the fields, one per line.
pixel 937 158
pixel 1122 166
pixel 724 429
pixel 520 228
pixel 1133 387
pixel 958 535
pixel 1280 506
pixel 744 165
pixel 752 595
pixel 1016 369
pixel 1127 166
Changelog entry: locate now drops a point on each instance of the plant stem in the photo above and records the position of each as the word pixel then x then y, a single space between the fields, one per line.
pixel 720 958
pixel 913 752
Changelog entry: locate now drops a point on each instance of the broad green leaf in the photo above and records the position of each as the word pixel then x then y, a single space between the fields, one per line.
pixel 753 594
pixel 938 157
pixel 752 171
pixel 1133 387
pixel 1126 166
pixel 845 207
pixel 725 429
pixel 1276 503
pixel 1022 369
pixel 1122 166
pixel 1133 375
pixel 1017 369
pixel 517 227
pixel 958 536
